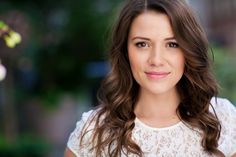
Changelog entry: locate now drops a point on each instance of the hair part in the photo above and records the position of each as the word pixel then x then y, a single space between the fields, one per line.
pixel 118 94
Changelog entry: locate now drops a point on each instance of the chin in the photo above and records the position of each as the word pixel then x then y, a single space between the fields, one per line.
pixel 160 91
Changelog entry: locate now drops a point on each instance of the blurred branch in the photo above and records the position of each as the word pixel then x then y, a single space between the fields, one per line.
pixel 11 39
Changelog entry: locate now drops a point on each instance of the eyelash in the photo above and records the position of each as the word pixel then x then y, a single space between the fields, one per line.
pixel 172 45
pixel 144 44
pixel 141 44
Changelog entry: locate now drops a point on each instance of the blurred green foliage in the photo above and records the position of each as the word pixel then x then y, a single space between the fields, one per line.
pixel 26 146
pixel 59 39
pixel 11 37
pixel 64 36
pixel 224 68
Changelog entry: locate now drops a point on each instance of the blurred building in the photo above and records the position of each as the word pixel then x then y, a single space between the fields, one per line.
pixel 218 19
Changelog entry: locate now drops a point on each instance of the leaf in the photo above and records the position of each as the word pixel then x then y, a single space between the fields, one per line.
pixel 16 37
pixel 9 41
pixel 3 26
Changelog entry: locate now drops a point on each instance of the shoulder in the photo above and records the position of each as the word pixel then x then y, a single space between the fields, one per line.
pixel 85 122
pixel 222 107
pixel 226 113
pixel 85 125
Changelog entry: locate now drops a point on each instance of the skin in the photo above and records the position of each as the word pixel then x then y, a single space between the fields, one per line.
pixel 157 64
pixel 69 153
pixel 152 48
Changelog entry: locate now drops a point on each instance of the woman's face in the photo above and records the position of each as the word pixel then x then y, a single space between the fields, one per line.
pixel 156 60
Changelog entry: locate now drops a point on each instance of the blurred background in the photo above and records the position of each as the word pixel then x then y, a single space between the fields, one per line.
pixel 54 72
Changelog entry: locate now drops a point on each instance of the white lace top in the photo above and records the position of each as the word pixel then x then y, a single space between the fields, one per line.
pixel 174 141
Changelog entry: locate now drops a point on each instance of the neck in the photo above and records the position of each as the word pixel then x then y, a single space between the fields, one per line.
pixel 157 105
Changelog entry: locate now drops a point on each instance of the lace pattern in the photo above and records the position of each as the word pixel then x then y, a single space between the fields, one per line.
pixel 178 140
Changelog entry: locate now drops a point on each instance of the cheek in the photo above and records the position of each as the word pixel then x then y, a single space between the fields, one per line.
pixel 180 62
pixel 132 57
pixel 135 60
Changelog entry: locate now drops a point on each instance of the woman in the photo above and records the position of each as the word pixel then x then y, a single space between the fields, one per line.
pixel 160 97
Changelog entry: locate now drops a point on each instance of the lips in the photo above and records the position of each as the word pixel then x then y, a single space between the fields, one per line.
pixel 157 75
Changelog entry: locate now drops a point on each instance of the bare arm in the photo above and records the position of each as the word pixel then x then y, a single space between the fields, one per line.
pixel 69 153
pixel 234 155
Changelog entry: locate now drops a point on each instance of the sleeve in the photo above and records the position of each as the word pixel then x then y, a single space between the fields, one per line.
pixel 74 139
pixel 231 123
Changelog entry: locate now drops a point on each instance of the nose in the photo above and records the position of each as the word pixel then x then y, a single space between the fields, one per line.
pixel 156 57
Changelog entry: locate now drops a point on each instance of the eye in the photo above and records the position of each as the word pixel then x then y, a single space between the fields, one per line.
pixel 172 45
pixel 141 44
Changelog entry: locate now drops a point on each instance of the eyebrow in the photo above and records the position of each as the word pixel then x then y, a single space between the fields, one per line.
pixel 170 38
pixel 144 38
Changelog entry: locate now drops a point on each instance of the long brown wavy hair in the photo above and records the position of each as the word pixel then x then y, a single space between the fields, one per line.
pixel 114 120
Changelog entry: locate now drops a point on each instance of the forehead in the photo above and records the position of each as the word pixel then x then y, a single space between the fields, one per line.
pixel 150 23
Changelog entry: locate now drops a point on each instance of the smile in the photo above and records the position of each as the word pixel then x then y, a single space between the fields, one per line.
pixel 156 75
